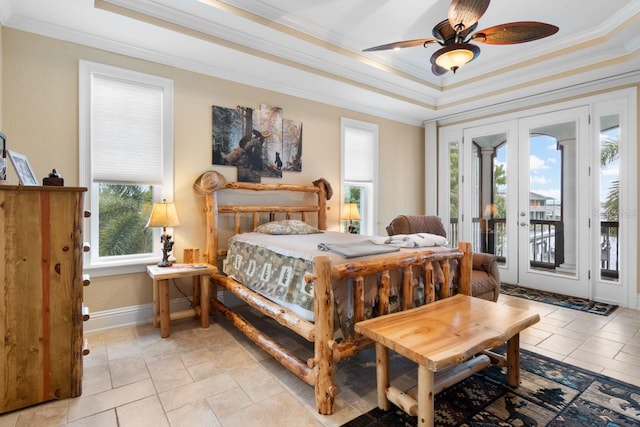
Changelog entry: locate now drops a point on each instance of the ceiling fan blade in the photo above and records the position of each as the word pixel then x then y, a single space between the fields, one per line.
pixel 514 32
pixel 401 45
pixel 465 13
pixel 437 70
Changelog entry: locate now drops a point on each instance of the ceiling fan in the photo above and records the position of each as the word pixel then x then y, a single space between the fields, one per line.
pixel 456 32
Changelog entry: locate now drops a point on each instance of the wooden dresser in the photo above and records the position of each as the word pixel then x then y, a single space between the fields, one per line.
pixel 41 282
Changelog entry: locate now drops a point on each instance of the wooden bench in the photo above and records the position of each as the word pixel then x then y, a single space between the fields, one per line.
pixel 450 337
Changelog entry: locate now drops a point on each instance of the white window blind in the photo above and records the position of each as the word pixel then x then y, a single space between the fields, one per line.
pixel 126 127
pixel 126 161
pixel 359 170
pixel 358 155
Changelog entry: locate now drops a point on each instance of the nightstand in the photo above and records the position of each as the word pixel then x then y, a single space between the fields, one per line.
pixel 161 276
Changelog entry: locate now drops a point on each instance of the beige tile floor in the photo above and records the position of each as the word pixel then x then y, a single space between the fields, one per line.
pixel 216 377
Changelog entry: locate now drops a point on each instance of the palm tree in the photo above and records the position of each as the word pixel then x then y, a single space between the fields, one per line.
pixel 610 152
pixel 499 183
pixel 124 210
pixel 453 180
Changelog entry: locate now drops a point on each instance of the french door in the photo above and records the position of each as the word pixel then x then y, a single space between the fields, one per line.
pixel 527 195
pixel 554 186
pixel 543 192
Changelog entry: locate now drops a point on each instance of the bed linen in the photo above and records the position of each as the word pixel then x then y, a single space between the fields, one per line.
pixel 275 266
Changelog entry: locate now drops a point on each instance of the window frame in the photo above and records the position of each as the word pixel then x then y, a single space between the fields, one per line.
pixel 369 200
pixel 123 264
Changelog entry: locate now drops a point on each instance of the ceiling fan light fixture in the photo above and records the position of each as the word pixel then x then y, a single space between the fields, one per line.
pixel 455 33
pixel 455 56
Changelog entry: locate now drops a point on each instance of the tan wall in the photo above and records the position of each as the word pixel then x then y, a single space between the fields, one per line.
pixel 40 105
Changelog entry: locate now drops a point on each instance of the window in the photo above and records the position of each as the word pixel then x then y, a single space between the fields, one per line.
pixel 126 162
pixel 359 172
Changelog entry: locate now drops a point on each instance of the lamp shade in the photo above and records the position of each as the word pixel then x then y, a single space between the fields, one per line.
pixel 490 210
pixel 163 215
pixel 350 212
pixel 455 56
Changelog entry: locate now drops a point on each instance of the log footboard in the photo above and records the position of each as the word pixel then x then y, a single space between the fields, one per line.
pixel 319 370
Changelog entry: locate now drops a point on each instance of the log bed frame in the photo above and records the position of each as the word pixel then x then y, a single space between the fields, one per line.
pixel 319 370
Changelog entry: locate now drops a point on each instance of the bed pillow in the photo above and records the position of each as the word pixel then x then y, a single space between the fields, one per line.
pixel 286 226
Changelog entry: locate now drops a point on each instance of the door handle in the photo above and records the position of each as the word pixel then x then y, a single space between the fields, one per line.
pixel 523 224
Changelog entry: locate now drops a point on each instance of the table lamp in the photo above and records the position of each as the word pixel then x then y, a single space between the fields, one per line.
pixel 350 213
pixel 164 215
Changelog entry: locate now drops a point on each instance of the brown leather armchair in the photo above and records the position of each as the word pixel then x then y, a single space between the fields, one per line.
pixel 485 277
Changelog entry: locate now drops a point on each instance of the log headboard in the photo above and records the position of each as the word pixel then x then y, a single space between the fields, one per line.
pixel 259 213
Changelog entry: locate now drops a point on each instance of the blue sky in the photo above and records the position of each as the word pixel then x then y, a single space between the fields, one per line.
pixel 545 167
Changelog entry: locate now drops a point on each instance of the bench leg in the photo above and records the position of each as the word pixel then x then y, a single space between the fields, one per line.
pixel 382 374
pixel 513 361
pixel 425 397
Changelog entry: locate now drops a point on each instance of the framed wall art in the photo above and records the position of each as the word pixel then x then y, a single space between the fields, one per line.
pixel 23 168
pixel 260 142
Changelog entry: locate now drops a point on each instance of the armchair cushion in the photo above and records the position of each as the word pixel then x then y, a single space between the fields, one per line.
pixel 410 224
pixel 484 286
pixel 484 261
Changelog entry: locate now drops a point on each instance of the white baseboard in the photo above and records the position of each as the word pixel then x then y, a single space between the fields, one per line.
pixel 126 316
pixel 135 314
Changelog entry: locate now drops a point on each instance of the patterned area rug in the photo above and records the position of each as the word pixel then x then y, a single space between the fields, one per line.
pixel 551 393
pixel 558 299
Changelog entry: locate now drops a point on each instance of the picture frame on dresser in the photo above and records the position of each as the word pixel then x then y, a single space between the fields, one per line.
pixel 23 168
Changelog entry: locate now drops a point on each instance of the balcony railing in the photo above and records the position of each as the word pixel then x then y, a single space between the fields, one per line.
pixel 609 249
pixel 546 242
